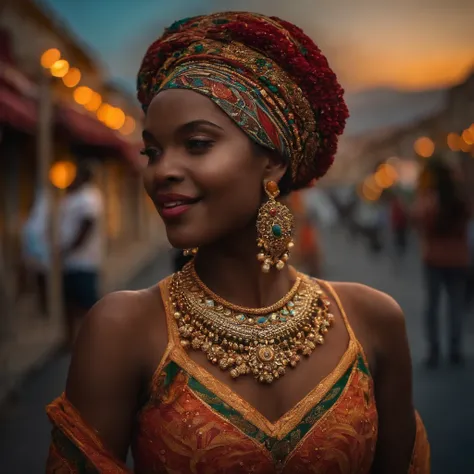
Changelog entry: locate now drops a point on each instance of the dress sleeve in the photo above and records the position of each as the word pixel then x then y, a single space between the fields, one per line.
pixel 420 460
pixel 75 447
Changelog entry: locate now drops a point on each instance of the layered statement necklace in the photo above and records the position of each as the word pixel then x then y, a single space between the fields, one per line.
pixel 263 342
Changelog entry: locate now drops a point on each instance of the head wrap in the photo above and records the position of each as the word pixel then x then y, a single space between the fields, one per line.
pixel 265 74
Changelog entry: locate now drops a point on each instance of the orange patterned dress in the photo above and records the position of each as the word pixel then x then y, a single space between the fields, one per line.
pixel 194 423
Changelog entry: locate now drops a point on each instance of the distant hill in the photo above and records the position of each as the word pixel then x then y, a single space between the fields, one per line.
pixel 384 107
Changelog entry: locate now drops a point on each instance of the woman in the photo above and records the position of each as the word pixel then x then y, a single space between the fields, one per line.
pixel 240 109
pixel 442 216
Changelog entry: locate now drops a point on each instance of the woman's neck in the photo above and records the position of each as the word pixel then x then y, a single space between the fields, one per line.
pixel 231 270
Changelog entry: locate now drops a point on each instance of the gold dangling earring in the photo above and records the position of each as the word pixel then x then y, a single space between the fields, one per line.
pixel 190 252
pixel 275 226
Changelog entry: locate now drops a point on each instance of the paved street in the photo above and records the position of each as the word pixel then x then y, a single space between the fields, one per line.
pixel 444 397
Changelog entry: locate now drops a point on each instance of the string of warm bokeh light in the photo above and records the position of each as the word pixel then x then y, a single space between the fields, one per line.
pixel 49 57
pixel 425 146
pixel 128 126
pixel 94 102
pixel 112 117
pixel 384 178
pixel 462 142
pixel 386 175
pixel 60 68
pixel 72 78
pixel 82 95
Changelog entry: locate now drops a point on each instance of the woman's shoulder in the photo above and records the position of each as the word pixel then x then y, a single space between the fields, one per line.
pixel 366 299
pixel 129 312
pixel 375 317
pixel 122 310
pixel 119 336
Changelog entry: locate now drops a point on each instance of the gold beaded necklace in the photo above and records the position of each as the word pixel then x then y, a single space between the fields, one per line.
pixel 258 341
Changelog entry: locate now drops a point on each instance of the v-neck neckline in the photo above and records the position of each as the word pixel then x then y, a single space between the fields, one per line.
pixel 292 417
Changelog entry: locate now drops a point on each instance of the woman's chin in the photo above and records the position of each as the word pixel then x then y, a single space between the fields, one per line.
pixel 180 241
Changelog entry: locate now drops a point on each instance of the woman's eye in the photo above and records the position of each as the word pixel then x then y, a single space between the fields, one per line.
pixel 150 152
pixel 198 145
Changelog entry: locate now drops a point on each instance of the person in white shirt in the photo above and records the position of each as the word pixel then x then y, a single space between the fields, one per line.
pixel 35 246
pixel 80 222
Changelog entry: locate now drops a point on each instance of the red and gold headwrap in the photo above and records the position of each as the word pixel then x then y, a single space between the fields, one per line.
pixel 265 74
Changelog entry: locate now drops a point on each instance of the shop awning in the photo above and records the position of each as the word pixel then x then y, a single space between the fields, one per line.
pixel 84 128
pixel 17 111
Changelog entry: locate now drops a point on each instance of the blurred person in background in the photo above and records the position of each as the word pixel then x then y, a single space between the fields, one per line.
pixel 399 224
pixel 35 247
pixel 240 110
pixel 307 251
pixel 470 278
pixel 369 217
pixel 81 215
pixel 441 214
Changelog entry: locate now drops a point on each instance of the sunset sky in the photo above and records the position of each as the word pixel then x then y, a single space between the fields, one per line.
pixel 408 44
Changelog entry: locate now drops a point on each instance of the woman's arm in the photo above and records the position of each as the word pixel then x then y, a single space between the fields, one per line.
pixel 393 391
pixel 96 413
pixel 379 324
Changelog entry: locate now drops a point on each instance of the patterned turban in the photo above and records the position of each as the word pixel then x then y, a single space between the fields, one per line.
pixel 265 74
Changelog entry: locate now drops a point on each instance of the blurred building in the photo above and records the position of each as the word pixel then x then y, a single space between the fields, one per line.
pixel 56 108
pixel 448 132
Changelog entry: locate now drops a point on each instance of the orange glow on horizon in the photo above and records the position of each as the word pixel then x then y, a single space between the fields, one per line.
pixel 410 71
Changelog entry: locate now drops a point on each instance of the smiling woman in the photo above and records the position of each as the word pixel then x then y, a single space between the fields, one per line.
pixel 239 363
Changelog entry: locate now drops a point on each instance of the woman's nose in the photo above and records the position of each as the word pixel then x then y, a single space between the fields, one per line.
pixel 168 169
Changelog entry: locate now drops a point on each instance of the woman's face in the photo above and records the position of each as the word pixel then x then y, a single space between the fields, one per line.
pixel 204 174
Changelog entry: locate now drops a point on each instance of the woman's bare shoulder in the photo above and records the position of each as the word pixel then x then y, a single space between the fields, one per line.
pixel 123 309
pixel 122 314
pixel 115 341
pixel 376 318
pixel 368 301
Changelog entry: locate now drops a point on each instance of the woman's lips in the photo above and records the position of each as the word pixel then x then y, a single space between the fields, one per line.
pixel 174 209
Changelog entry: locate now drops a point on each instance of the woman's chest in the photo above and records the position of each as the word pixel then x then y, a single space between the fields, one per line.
pixel 190 428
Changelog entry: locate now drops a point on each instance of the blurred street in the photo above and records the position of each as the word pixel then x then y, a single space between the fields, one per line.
pixel 443 397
